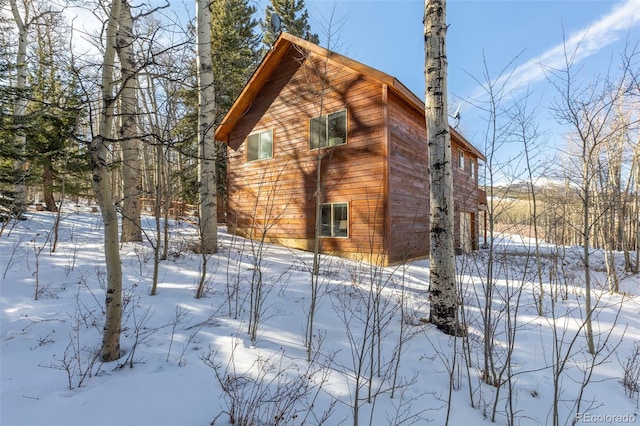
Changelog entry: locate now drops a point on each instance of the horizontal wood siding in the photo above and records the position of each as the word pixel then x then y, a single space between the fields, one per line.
pixel 466 191
pixel 386 187
pixel 408 183
pixel 277 196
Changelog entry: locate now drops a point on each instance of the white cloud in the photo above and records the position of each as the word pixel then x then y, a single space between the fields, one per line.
pixel 581 45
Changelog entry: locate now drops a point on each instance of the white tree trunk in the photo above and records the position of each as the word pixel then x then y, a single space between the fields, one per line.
pixel 128 131
pixel 20 105
pixel 637 206
pixel 206 141
pixel 99 151
pixel 636 268
pixel 442 276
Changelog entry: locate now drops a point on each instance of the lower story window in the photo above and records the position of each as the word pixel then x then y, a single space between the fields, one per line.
pixel 335 220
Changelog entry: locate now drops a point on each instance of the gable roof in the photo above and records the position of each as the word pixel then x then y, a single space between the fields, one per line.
pixel 275 55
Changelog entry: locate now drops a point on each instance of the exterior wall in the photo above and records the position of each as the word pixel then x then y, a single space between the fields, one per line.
pixel 465 196
pixel 276 196
pixel 382 171
pixel 408 182
pixel 409 187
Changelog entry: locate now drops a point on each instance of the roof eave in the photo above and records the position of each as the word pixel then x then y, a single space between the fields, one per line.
pixel 251 89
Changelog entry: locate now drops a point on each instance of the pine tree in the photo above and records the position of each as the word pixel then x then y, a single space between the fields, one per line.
pixel 236 52
pixel 235 48
pixel 295 20
pixel 54 110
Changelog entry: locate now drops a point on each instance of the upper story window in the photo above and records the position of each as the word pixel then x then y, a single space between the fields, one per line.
pixel 260 146
pixel 328 130
pixel 472 168
pixel 461 159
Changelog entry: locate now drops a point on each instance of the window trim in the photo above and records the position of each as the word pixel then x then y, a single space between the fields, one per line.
pixel 461 159
pixel 332 220
pixel 326 118
pixel 259 134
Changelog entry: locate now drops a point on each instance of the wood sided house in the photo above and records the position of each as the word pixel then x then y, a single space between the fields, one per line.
pixel 305 106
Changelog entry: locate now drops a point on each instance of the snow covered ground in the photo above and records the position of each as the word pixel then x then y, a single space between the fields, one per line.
pixel 190 361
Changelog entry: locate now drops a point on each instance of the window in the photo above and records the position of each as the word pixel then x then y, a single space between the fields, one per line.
pixel 472 166
pixel 335 220
pixel 328 130
pixel 461 159
pixel 260 146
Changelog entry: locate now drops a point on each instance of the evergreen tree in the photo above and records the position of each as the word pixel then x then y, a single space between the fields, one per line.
pixel 9 152
pixel 236 51
pixel 295 20
pixel 53 109
pixel 235 47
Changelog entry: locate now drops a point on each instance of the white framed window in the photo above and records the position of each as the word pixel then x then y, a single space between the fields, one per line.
pixel 260 146
pixel 472 168
pixel 328 130
pixel 461 159
pixel 335 220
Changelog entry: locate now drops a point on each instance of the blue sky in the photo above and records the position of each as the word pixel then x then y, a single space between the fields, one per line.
pixel 388 35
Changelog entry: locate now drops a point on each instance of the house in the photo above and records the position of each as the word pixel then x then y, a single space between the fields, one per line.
pixel 308 115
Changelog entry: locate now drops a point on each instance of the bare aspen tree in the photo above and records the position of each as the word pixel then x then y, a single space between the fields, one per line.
pixel 589 111
pixel 442 274
pixel 613 185
pixel 20 104
pixel 636 172
pixel 206 140
pixel 628 60
pixel 159 178
pixel 128 129
pixel 317 237
pixel 619 155
pixel 526 132
pixel 99 152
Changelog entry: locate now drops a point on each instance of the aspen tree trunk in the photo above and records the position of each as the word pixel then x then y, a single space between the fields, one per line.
pixel 99 152
pixel 586 243
pixel 623 200
pixel 148 184
pixel 637 207
pixel 206 141
pixel 443 298
pixel 20 105
pixel 128 131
